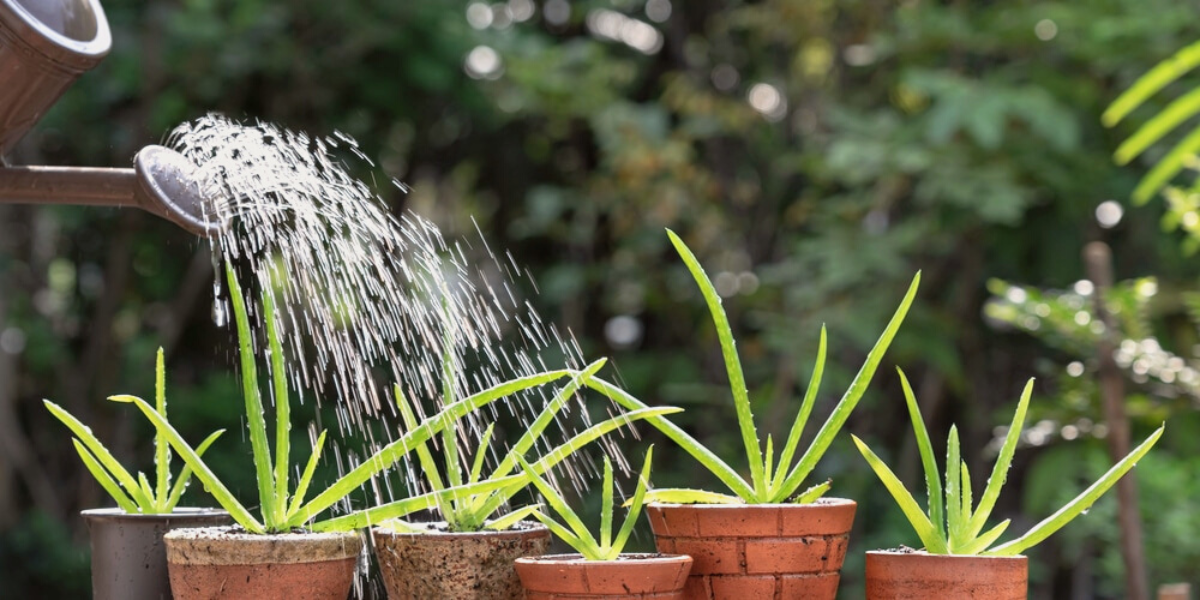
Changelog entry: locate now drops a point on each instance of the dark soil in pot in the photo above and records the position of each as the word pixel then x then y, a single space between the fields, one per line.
pixel 744 551
pixel 224 562
pixel 438 564
pixel 900 574
pixel 129 559
pixel 632 576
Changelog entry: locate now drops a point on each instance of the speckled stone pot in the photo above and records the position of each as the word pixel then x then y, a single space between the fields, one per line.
pixel 897 575
pixel 632 576
pixel 128 556
pixel 770 551
pixel 468 566
pixel 220 562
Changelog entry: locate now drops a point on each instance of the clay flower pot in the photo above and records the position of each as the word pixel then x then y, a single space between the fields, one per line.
pixel 757 551
pixel 895 574
pixel 440 564
pixel 128 556
pixel 570 577
pixel 221 562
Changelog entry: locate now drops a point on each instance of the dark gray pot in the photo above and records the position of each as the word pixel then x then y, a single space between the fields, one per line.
pixel 129 560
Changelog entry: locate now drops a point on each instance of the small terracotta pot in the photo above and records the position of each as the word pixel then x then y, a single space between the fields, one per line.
pixel 440 564
pixel 895 575
pixel 757 551
pixel 221 562
pixel 570 577
pixel 128 556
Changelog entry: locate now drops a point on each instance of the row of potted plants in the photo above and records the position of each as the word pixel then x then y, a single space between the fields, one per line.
pixel 767 537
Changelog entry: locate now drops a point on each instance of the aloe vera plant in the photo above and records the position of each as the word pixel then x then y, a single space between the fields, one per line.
pixel 772 480
pixel 134 495
pixel 574 532
pixel 953 524
pixel 283 510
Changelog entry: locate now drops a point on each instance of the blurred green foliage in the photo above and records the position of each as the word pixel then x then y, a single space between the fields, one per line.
pixel 813 153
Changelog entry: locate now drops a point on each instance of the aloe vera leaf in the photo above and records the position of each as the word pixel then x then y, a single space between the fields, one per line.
pixel 481 453
pixel 389 454
pixel 104 479
pixel 544 418
pixel 511 518
pixel 606 506
pixel 1182 109
pixel 846 405
pixel 1081 503
pixel 562 451
pixel 733 365
pixel 965 487
pixel 1003 461
pixel 84 434
pixel 144 483
pixel 162 456
pixel 690 496
pixel 918 519
pixel 810 399
pixel 589 550
pixel 306 479
pixel 956 525
pixel 702 454
pixel 401 508
pixel 981 543
pixel 283 412
pixel 255 421
pixel 186 473
pixel 768 460
pixel 214 486
pixel 429 466
pixel 933 478
pixel 1149 84
pixel 813 493
pixel 635 508
pixel 560 506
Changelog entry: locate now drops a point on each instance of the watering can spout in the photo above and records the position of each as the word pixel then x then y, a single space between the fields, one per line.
pixel 45 45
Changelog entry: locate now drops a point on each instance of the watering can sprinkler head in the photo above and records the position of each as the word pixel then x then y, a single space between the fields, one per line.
pixel 45 45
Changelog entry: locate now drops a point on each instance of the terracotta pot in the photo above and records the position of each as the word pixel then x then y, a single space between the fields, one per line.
pixel 757 551
pixel 439 564
pixel 222 562
pixel 128 557
pixel 570 577
pixel 920 575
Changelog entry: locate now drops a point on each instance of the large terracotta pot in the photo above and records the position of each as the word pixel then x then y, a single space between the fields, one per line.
pixel 570 577
pixel 128 556
pixel 220 562
pixel 439 564
pixel 896 575
pixel 757 551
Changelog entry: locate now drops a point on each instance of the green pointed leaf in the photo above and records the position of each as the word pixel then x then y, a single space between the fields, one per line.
pixel 102 455
pixel 1172 116
pixel 305 479
pixel 606 505
pixel 559 505
pixel 984 541
pixel 933 478
pixel 481 453
pixel 102 477
pixel 1149 84
pixel 255 420
pixel 956 525
pixel 813 493
pixel 1003 461
pixel 186 473
pixel 810 399
pixel 849 400
pixel 688 496
pixel 1081 503
pixel 1167 167
pixel 919 521
pixel 512 518
pixel 635 507
pixel 214 485
pixel 162 456
pixel 283 412
pixel 733 364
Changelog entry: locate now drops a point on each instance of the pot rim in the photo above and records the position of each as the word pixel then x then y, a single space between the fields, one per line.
pixel 229 546
pixel 625 558
pixel 820 503
pixel 116 513
pixel 926 555
pixel 531 528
